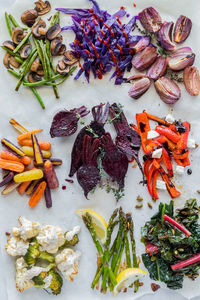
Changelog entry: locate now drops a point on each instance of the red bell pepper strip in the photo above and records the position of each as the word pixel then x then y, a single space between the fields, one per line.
pixel 173 128
pixel 182 144
pixel 180 156
pixel 186 162
pixel 134 127
pixel 143 127
pixel 179 162
pixel 151 248
pixel 176 224
pixel 156 119
pixel 171 135
pixel 154 189
pixel 149 178
pixel 150 147
pixel 167 162
pixel 170 186
pixel 147 164
pixel 190 261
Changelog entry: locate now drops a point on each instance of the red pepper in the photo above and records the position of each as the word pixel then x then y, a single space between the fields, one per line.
pixel 173 128
pixel 154 189
pixel 147 164
pixel 180 156
pixel 134 127
pixel 151 248
pixel 179 162
pixel 167 162
pixel 182 144
pixel 170 186
pixel 171 135
pixel 143 128
pixel 186 162
pixel 156 119
pixel 176 224
pixel 149 178
pixel 190 261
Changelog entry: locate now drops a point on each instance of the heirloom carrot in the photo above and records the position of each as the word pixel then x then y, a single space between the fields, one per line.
pixel 7 155
pixel 29 175
pixel 28 134
pixel 23 186
pixel 11 165
pixel 43 144
pixel 30 152
pixel 18 126
pixel 37 195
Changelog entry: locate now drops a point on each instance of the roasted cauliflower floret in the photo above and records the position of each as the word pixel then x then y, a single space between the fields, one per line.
pixel 67 263
pixel 50 238
pixel 27 229
pixel 16 246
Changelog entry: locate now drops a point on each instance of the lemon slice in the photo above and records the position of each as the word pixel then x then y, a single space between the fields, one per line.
pixel 98 221
pixel 126 278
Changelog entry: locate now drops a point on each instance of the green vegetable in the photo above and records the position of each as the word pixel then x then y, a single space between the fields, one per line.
pixel 73 242
pixel 32 252
pixel 46 256
pixel 16 55
pixel 56 282
pixel 23 42
pixel 9 26
pixel 12 19
pixel 39 280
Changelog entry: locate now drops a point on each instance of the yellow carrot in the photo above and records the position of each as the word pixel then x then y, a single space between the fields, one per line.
pixel 28 134
pixel 18 126
pixel 37 195
pixel 11 165
pixel 7 155
pixel 29 152
pixel 31 187
pixel 43 144
pixel 29 175
pixel 22 187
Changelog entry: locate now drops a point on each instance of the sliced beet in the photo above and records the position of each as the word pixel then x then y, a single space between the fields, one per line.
pixel 115 162
pixel 88 174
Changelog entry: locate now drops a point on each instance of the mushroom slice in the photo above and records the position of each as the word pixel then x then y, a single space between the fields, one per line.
pixel 57 48
pixel 17 35
pixel 61 68
pixel 29 17
pixel 70 59
pixel 34 77
pixel 14 62
pixel 42 7
pixel 9 44
pixel 25 51
pixel 37 29
pixel 35 65
pixel 40 71
pixel 6 60
pixel 53 31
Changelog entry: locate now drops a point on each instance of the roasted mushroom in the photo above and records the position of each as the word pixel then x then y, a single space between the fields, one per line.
pixel 53 32
pixel 25 51
pixel 34 77
pixel 18 35
pixel 40 71
pixel 9 61
pixel 61 68
pixel 14 62
pixel 35 65
pixel 42 7
pixel 39 29
pixel 70 59
pixel 57 48
pixel 9 44
pixel 29 17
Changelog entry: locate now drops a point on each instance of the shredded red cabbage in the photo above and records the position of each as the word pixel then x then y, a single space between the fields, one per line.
pixel 102 41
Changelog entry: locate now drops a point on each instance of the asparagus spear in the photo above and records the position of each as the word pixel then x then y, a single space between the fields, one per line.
pixel 126 241
pixel 119 258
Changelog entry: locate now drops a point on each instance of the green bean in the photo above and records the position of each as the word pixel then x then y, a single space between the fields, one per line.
pixel 22 42
pixel 41 58
pixel 55 19
pixel 17 75
pixel 16 55
pixel 64 78
pixel 42 82
pixel 8 23
pixel 27 68
pixel 12 19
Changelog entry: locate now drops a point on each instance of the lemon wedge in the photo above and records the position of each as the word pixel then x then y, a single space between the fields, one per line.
pixel 126 278
pixel 98 221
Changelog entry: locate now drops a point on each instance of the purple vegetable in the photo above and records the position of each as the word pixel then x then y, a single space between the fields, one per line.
pixel 158 68
pixel 115 162
pixel 139 87
pixel 96 127
pixel 141 44
pixel 88 174
pixel 150 19
pixel 144 59
pixel 182 29
pixel 65 122
pixel 168 90
pixel 47 195
pixel 181 58
pixel 102 41
pixel 8 178
pixel 165 36
pixel 127 140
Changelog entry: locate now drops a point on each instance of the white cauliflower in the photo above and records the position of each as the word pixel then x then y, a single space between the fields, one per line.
pixel 16 247
pixel 24 276
pixel 67 263
pixel 27 229
pixel 50 238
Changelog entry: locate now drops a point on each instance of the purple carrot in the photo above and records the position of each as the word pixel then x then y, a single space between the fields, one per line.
pixel 8 178
pixel 47 195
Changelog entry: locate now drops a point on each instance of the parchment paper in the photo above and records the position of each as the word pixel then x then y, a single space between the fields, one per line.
pixel 23 107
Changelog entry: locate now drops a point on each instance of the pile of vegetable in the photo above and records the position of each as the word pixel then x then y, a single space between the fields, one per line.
pixel 33 178
pixel 96 158
pixel 110 265
pixel 163 62
pixel 43 255
pixel 32 49
pixel 172 244
pixel 166 151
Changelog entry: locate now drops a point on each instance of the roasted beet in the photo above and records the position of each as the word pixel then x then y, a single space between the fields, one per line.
pixel 65 122
pixel 96 127
pixel 115 162
pixel 88 174
pixel 128 140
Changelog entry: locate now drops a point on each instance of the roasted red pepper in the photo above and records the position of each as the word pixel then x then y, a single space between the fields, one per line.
pixel 149 178
pixel 167 161
pixel 154 189
pixel 171 135
pixel 176 224
pixel 182 144
pixel 156 119
pixel 170 186
pixel 143 128
pixel 147 164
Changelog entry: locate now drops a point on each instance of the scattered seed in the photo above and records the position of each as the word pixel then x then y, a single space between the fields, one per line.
pixel 139 199
pixel 149 205
pixel 141 283
pixel 125 290
pixel 139 205
pixel 198 191
pixel 155 287
pixel 8 233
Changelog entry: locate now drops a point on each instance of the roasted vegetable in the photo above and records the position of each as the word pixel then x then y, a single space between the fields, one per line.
pixel 50 175
pixel 32 253
pixel 56 282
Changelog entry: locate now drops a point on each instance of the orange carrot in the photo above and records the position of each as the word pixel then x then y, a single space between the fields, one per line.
pixel 22 187
pixel 37 195
pixel 7 155
pixel 43 144
pixel 27 134
pixel 11 165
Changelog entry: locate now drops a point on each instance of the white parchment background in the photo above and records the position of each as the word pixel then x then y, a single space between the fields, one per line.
pixel 23 107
